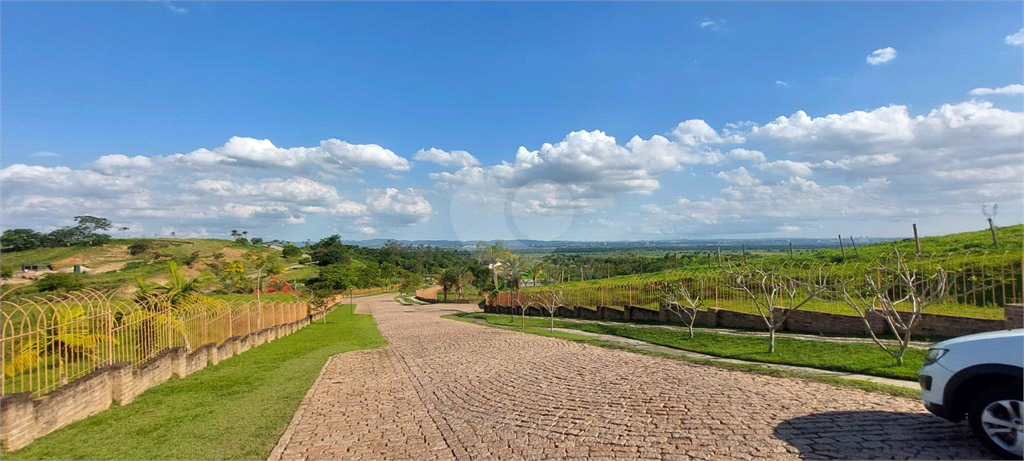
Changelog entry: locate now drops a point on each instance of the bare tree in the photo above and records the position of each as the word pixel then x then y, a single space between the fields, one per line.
pixel 776 296
pixel 895 287
pixel 682 300
pixel 549 300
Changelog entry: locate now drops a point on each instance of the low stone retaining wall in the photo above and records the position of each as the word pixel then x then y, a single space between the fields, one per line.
pixel 799 321
pixel 450 301
pixel 24 419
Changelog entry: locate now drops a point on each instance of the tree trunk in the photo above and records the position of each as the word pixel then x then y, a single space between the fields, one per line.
pixel 771 341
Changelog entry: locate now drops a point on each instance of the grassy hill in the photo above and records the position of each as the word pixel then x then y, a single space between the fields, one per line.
pixel 112 265
pixel 969 257
pixel 1009 238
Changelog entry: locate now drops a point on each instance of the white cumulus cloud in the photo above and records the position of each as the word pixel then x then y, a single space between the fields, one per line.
pixel 459 158
pixel 1013 89
pixel 881 56
pixel 1016 39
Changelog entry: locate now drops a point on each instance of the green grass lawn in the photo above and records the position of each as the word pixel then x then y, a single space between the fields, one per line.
pixel 237 409
pixel 867 359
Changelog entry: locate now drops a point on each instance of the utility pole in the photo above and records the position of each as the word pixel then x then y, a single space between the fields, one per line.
pixel 917 242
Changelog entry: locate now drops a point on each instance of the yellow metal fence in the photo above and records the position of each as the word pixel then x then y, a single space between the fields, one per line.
pixel 991 280
pixel 47 343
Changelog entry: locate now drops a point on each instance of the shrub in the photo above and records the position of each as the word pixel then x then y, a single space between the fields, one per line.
pixel 290 251
pixel 139 247
pixel 6 272
pixel 190 259
pixel 60 281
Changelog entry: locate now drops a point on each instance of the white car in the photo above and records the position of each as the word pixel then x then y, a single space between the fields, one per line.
pixel 980 376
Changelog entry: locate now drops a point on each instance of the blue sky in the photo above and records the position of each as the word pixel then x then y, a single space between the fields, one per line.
pixel 636 120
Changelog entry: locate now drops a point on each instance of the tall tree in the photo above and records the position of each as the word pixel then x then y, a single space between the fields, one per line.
pixel 492 255
pixel 512 268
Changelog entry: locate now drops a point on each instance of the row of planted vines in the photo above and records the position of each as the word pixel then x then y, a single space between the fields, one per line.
pixel 978 284
pixel 49 342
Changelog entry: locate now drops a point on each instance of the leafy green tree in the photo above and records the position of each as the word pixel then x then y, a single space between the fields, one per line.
pixel 335 277
pixel 290 251
pixel 20 239
pixel 410 283
pixel 368 276
pixel 63 237
pixel 329 251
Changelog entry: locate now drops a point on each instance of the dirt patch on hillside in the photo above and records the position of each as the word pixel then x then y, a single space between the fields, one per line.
pixel 109 254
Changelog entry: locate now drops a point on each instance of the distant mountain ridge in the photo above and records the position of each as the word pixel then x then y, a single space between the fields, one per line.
pixel 674 244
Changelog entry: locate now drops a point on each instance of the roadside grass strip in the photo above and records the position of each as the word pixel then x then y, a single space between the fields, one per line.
pixel 859 358
pixel 237 409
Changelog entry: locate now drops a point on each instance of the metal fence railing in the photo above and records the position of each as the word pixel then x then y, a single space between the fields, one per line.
pixel 47 343
pixel 973 281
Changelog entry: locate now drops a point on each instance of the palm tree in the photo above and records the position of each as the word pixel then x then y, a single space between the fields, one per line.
pixel 178 298
pixel 512 269
pixel 465 279
pixel 449 280
pixel 69 338
pixel 492 256
pixel 534 273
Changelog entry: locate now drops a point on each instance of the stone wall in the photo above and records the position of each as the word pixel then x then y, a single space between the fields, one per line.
pixel 24 419
pixel 799 321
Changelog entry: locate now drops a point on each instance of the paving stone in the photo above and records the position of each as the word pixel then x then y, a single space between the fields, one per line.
pixel 443 389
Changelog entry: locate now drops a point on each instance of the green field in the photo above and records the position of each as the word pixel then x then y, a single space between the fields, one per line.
pixel 236 409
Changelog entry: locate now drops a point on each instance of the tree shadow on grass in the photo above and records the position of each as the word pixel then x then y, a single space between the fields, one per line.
pixel 880 435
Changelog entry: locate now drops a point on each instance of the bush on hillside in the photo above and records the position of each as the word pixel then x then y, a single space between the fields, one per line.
pixel 139 247
pixel 290 251
pixel 60 281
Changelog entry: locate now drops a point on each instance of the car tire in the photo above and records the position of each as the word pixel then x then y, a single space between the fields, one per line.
pixel 995 416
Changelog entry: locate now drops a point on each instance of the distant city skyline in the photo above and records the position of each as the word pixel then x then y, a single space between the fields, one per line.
pixel 486 121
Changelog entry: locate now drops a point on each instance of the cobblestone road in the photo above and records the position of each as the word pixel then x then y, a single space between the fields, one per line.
pixel 444 389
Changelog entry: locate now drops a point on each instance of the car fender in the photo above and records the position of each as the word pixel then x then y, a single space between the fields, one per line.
pixel 1001 373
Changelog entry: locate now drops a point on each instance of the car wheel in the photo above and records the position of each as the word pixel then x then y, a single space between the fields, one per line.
pixel 995 416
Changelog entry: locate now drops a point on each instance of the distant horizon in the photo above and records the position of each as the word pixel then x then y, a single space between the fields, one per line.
pixel 833 239
pixel 564 121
